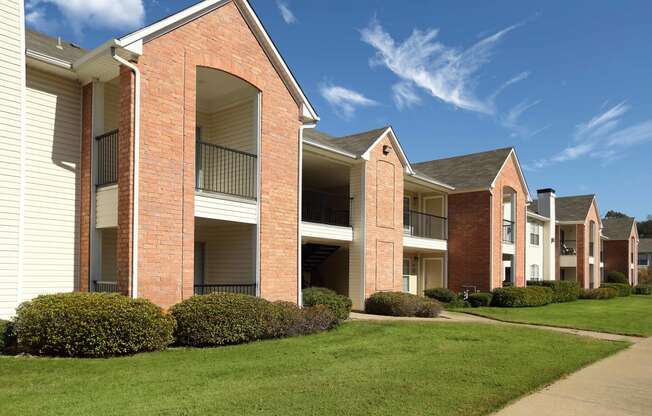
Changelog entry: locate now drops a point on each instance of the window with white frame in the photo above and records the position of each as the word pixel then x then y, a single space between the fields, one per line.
pixel 534 272
pixel 535 234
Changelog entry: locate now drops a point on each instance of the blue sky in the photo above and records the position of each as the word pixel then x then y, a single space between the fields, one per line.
pixel 567 83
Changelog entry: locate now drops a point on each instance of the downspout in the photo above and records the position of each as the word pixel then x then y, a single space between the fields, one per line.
pixel 300 210
pixel 134 228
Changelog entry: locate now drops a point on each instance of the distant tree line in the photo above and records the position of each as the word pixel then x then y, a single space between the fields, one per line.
pixel 644 227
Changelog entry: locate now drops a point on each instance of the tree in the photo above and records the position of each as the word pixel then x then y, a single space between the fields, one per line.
pixel 645 228
pixel 615 214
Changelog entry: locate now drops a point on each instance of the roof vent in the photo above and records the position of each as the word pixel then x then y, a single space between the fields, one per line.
pixel 59 45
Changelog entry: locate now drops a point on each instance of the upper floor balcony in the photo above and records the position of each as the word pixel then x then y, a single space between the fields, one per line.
pixel 509 231
pixel 226 171
pixel 423 225
pixel 106 151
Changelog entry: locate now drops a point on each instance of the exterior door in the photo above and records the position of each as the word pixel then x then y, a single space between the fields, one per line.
pixel 435 224
pixel 406 275
pixel 433 273
pixel 199 263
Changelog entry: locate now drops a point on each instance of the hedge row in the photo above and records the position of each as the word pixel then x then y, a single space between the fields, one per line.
pixel 402 304
pixel 616 277
pixel 643 290
pixel 623 289
pixel 599 293
pixel 340 305
pixel 102 324
pixel 519 297
pixel 562 290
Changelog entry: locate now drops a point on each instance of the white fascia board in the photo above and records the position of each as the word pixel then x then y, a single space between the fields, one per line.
pixel 401 154
pixel 329 149
pixel 105 47
pixel 538 217
pixel 569 222
pixel 48 59
pixel 430 182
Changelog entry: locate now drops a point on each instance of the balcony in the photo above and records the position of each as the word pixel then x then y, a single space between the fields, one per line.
pixel 420 224
pixel 105 287
pixel 326 208
pixel 246 289
pixel 509 230
pixel 106 150
pixel 568 248
pixel 226 171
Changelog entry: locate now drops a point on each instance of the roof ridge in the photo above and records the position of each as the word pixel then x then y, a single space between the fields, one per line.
pixel 465 155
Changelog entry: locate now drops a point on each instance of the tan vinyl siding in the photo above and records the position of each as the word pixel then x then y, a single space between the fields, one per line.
pixel 111 106
pixel 356 289
pixel 106 207
pixel 11 87
pixel 229 253
pixel 53 130
pixel 109 254
pixel 232 126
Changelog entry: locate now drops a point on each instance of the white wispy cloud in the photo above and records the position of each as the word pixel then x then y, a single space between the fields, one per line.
pixel 601 138
pixel 286 13
pixel 512 120
pixel 517 78
pixel 445 72
pixel 344 101
pixel 404 95
pixel 111 14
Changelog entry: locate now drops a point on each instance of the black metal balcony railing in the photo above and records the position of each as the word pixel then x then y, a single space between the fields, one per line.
pixel 224 170
pixel 105 287
pixel 420 224
pixel 106 148
pixel 508 231
pixel 248 289
pixel 326 208
pixel 568 248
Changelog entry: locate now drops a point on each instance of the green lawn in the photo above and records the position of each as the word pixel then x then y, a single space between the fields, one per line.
pixel 628 315
pixel 362 368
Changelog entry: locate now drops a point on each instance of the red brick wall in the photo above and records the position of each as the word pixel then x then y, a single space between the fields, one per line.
pixel 220 40
pixel 509 177
pixel 581 234
pixel 616 256
pixel 85 189
pixel 469 240
pixel 383 220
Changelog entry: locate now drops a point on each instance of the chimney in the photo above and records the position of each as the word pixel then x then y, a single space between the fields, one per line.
pixel 546 202
pixel 547 208
pixel 59 45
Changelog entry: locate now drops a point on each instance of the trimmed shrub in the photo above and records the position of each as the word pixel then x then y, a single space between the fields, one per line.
pixel 616 277
pixel 441 294
pixel 643 290
pixel 479 299
pixel 428 308
pixel 318 318
pixel 457 303
pixel 645 277
pixel 92 325
pixel 599 293
pixel 286 320
pixel 401 304
pixel 340 305
pixel 562 290
pixel 519 297
pixel 223 319
pixel 7 335
pixel 622 289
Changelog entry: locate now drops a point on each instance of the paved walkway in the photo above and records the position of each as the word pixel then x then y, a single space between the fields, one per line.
pixel 618 385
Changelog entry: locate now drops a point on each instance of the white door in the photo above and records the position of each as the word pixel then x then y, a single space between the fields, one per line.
pixel 435 225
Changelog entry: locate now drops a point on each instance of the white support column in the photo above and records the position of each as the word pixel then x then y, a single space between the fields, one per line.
pixel 95 234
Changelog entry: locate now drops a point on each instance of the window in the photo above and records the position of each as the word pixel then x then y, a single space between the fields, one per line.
pixel 534 234
pixel 642 260
pixel 534 272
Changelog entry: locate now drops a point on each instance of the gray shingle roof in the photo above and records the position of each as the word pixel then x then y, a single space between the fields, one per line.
pixel 473 171
pixel 47 45
pixel 534 207
pixel 356 144
pixel 618 228
pixel 645 245
pixel 573 208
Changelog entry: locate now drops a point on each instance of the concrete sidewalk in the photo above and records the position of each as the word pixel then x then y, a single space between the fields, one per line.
pixel 618 385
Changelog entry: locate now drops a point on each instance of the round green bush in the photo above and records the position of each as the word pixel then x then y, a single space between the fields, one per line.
pixel 7 336
pixel 599 293
pixel 286 320
pixel 643 290
pixel 318 318
pixel 340 305
pixel 520 297
pixel 401 304
pixel 92 325
pixel 616 277
pixel 222 319
pixel 441 294
pixel 622 288
pixel 479 299
pixel 562 290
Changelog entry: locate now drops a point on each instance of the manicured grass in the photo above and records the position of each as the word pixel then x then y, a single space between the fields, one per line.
pixel 628 315
pixel 362 368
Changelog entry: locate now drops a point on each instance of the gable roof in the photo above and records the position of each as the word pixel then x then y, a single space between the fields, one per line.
pixel 42 44
pixel 573 208
pixel 355 144
pixel 618 228
pixel 645 245
pixel 472 171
